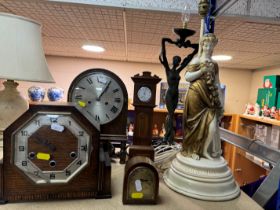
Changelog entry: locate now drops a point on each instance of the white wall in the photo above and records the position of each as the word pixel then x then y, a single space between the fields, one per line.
pixel 65 69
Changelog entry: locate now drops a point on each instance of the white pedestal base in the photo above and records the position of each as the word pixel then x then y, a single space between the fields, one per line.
pixel 202 179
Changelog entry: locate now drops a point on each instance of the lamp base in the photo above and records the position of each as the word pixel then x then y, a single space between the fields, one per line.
pixel 203 179
pixel 12 104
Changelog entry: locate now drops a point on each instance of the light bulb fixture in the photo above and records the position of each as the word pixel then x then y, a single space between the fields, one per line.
pixel 221 57
pixel 93 48
pixel 186 14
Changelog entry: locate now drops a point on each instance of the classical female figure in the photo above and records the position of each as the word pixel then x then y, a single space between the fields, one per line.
pixel 173 78
pixel 203 104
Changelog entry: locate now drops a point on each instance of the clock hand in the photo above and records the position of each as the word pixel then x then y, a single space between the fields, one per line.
pixel 104 90
pixel 45 143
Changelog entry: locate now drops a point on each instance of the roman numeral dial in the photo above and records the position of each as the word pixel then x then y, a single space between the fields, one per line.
pixel 102 97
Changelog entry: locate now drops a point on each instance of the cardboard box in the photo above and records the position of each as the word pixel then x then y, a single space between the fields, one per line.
pixel 278 101
pixel 267 96
pixel 271 81
pixel 263 133
pixel 275 137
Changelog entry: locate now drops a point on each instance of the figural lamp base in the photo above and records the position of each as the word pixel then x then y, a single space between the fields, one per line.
pixel 202 179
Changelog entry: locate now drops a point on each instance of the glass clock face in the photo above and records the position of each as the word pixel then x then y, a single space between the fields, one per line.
pixel 51 148
pixel 141 183
pixel 98 96
pixel 144 94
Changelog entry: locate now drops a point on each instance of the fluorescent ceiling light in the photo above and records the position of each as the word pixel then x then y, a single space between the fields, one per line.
pixel 93 48
pixel 221 57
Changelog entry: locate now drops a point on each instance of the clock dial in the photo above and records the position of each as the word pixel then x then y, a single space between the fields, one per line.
pixel 98 94
pixel 41 151
pixel 141 183
pixel 144 94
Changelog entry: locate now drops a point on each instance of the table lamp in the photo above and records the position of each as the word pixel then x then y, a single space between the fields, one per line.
pixel 21 58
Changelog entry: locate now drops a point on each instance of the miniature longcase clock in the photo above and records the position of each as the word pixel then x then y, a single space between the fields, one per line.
pixel 50 152
pixel 144 103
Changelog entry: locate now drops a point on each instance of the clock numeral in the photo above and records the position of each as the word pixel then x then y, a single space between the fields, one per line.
pixel 80 87
pixel 37 122
pixel 118 100
pixel 52 176
pixel 114 109
pixel 81 133
pixel 97 118
pixel 36 173
pixel 69 123
pixel 21 148
pixel 78 97
pixel 24 133
pixel 116 90
pixel 79 162
pixel 24 163
pixel 107 116
pixel 89 80
pixel 67 173
pixel 84 148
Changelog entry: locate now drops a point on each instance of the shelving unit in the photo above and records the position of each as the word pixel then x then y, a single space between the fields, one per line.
pixel 245 167
pixel 159 116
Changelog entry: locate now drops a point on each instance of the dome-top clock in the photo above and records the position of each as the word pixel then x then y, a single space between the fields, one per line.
pixel 99 94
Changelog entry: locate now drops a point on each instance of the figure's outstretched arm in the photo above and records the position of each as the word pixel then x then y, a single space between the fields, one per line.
pixel 162 56
pixel 189 57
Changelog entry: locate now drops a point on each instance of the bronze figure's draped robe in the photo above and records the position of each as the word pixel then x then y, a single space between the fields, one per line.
pixel 203 109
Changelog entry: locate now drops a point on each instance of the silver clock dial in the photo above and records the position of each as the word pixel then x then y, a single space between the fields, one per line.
pixel 144 94
pixel 98 96
pixel 44 159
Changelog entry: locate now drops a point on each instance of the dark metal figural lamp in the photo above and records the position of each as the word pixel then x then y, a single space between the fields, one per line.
pixel 173 71
pixel 21 58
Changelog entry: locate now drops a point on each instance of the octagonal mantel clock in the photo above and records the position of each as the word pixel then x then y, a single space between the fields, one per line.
pixel 51 152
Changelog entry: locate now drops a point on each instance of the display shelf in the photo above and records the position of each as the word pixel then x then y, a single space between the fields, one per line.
pixel 265 120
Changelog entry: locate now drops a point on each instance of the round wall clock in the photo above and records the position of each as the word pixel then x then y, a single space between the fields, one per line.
pixel 99 94
pixel 52 152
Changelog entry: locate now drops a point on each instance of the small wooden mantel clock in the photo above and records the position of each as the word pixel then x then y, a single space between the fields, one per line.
pixel 52 152
pixel 144 103
pixel 141 181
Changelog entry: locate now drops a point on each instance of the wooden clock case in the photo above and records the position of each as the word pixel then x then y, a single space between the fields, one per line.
pixel 139 163
pixel 113 132
pixel 92 182
pixel 142 138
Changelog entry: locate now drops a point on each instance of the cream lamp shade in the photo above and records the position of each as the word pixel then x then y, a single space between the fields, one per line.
pixel 21 53
pixel 21 58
